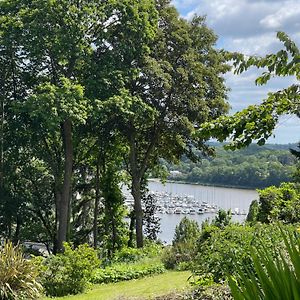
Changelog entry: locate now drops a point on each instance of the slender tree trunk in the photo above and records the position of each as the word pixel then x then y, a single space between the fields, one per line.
pixel 114 233
pixel 131 229
pixel 17 231
pixel 137 196
pixel 2 146
pixel 64 203
pixel 96 208
pixel 136 193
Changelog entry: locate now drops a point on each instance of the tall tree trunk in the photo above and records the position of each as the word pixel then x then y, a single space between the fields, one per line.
pixel 137 196
pixel 17 231
pixel 96 208
pixel 64 203
pixel 2 146
pixel 131 229
pixel 136 192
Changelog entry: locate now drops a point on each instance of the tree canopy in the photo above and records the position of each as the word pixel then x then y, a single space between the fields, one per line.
pixel 89 88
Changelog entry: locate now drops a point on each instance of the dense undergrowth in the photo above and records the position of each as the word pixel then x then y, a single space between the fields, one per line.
pixel 245 254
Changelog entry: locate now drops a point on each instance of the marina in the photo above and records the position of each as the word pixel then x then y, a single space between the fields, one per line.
pixel 196 202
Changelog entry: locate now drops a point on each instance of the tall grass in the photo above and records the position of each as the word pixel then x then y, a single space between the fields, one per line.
pixel 17 275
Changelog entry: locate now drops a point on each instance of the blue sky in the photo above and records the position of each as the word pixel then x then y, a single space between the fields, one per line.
pixel 250 26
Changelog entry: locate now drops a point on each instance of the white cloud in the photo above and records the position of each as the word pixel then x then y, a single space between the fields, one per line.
pixel 249 26
pixel 287 15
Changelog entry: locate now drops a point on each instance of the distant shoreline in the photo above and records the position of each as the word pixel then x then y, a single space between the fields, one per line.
pixel 204 184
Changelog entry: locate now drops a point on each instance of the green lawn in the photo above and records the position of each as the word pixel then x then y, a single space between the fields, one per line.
pixel 136 289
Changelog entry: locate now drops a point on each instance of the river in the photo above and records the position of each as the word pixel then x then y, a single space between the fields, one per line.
pixel 226 198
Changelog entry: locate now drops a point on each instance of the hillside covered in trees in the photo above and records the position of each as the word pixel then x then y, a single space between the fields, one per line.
pixel 252 167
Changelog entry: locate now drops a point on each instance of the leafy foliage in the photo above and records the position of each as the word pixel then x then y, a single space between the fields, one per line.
pixel 271 277
pixel 222 219
pixel 186 231
pixel 121 272
pixel 183 247
pixel 18 276
pixel 232 247
pixel 257 122
pixel 277 203
pixel 127 254
pixel 70 272
pixel 296 154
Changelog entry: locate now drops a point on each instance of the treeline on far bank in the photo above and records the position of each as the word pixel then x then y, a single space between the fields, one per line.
pixel 253 167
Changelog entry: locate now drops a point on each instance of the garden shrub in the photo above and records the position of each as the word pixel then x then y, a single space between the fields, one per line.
pixel 128 254
pixel 71 271
pixel 224 251
pixel 122 272
pixel 18 276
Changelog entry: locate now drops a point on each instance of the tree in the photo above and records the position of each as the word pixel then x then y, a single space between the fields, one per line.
pixel 222 219
pixel 187 231
pixel 178 88
pixel 277 204
pixel 257 122
pixel 48 48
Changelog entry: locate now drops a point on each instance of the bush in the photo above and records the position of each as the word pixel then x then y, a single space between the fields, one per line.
pixel 179 256
pixel 277 204
pixel 122 272
pixel 17 275
pixel 70 272
pixel 128 254
pixel 226 251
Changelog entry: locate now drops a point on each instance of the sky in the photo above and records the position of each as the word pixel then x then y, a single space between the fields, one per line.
pixel 250 26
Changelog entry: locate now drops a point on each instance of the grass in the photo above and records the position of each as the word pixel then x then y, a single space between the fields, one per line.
pixel 144 288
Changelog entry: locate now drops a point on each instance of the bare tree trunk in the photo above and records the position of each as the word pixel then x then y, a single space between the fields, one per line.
pixel 137 196
pixel 96 208
pixel 131 229
pixel 63 204
pixel 2 145
pixel 136 193
pixel 17 231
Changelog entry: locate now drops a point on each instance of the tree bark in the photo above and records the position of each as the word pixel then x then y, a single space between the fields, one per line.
pixel 136 193
pixel 96 208
pixel 131 229
pixel 2 146
pixel 64 202
pixel 137 196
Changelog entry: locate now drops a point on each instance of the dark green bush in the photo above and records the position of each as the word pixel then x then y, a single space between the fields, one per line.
pixel 17 275
pixel 70 272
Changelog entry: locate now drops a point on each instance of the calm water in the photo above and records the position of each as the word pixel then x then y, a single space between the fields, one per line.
pixel 226 198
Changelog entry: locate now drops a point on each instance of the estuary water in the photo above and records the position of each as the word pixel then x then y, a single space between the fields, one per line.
pixel 226 198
